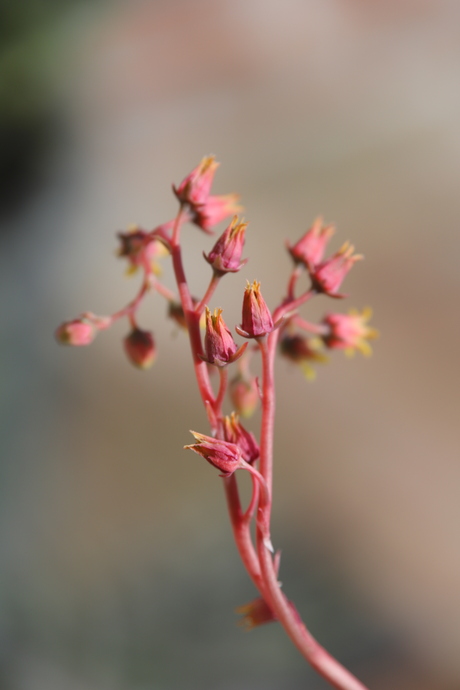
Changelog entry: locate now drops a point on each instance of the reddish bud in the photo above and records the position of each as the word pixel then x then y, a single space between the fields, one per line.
pixel 176 313
pixel 214 210
pixel 220 348
pixel 221 454
pixel 302 351
pixel 195 188
pixel 257 319
pixel 235 432
pixel 141 249
pixel 309 250
pixel 329 275
pixel 244 394
pixel 225 256
pixel 350 332
pixel 77 332
pixel 140 348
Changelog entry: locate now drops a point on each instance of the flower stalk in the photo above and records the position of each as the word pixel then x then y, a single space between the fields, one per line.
pixel 230 446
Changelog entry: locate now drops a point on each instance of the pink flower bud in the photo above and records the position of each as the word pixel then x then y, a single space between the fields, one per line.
pixel 235 432
pixel 195 188
pixel 214 210
pixel 244 394
pixel 194 191
pixel 140 348
pixel 350 332
pixel 220 348
pixel 77 332
pixel 141 249
pixel 221 454
pixel 329 275
pixel 225 256
pixel 309 250
pixel 257 319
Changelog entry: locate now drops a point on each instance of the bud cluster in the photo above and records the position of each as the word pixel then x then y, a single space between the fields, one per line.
pixel 230 446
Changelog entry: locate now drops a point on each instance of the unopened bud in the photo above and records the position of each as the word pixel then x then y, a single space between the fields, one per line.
pixel 257 320
pixel 225 256
pixel 309 250
pixel 303 351
pixel 329 275
pixel 235 432
pixel 244 394
pixel 220 348
pixel 140 348
pixel 77 332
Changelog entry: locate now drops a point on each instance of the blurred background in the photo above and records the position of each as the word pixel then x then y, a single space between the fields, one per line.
pixel 118 569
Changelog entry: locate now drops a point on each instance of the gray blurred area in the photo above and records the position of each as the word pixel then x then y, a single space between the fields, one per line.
pixel 118 569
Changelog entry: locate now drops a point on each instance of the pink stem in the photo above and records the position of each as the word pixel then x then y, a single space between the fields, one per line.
pixel 208 294
pixel 313 652
pixel 192 320
pixel 223 375
pixel 317 328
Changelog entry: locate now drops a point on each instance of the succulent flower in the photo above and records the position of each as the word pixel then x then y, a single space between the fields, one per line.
pixel 256 320
pixel 225 256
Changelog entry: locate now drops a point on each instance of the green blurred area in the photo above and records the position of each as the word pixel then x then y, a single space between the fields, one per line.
pixel 31 36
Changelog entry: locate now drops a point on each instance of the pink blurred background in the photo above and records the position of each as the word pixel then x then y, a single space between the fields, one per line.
pixel 118 568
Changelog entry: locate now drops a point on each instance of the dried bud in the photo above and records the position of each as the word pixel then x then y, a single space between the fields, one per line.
pixel 244 394
pixel 220 348
pixel 309 250
pixel 140 348
pixel 257 319
pixel 77 332
pixel 255 613
pixel 225 256
pixel 235 432
pixel 329 275
pixel 350 332
pixel 303 351
pixel 221 454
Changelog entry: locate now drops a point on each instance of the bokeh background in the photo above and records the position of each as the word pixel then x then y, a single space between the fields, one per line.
pixel 118 569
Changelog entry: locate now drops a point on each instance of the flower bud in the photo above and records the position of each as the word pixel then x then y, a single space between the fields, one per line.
pixel 220 348
pixel 302 351
pixel 244 394
pixel 257 319
pixel 350 332
pixel 328 276
pixel 234 432
pixel 221 454
pixel 195 188
pixel 140 348
pixel 309 250
pixel 255 613
pixel 214 210
pixel 141 249
pixel 77 332
pixel 225 256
